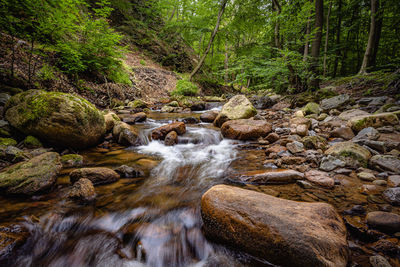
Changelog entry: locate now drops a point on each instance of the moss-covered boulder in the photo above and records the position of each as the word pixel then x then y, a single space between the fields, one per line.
pixel 63 120
pixel 376 121
pixel 238 107
pixel 32 142
pixel 32 176
pixel 351 153
pixel 7 142
pixel 111 119
pixel 315 142
pixel 138 103
pixel 71 160
pixel 311 108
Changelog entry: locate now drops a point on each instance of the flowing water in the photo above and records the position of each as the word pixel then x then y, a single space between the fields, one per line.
pixel 150 221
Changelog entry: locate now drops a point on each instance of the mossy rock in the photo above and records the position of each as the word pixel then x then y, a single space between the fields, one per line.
pixel 30 177
pixel 351 153
pixel 63 120
pixel 71 160
pixel 4 133
pixel 377 120
pixel 32 142
pixel 7 142
pixel 173 104
pixel 238 107
pixel 311 108
pixel 315 142
pixel 138 103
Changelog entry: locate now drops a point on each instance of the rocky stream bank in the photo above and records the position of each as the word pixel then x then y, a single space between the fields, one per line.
pixel 245 181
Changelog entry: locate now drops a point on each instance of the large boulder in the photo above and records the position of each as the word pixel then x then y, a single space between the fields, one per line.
pixel 238 107
pixel 245 129
pixel 97 175
pixel 376 121
pixel 336 102
pixel 125 135
pixel 33 176
pixel 351 113
pixel 161 132
pixel 283 232
pixel 63 120
pixel 353 154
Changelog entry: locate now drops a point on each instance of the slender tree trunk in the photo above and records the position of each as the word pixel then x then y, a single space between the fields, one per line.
pixel 30 63
pixel 307 44
pixel 338 29
pixel 371 38
pixel 214 33
pixel 379 22
pixel 327 36
pixel 277 37
pixel 316 44
pixel 13 45
pixel 226 65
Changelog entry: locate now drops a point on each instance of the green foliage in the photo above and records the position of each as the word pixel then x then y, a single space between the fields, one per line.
pixel 46 73
pixel 185 88
pixel 142 62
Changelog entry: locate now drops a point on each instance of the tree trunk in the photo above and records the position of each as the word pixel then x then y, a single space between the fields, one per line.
pixel 201 62
pixel 316 44
pixel 371 38
pixel 277 8
pixel 226 65
pixel 327 36
pixel 379 22
pixel 30 63
pixel 307 44
pixel 339 26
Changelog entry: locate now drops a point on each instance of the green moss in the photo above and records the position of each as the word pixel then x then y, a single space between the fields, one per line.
pixel 7 142
pixel 138 103
pixel 4 133
pixel 185 88
pixel 70 160
pixel 32 142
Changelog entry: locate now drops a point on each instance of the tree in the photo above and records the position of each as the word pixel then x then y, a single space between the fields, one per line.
pixel 371 45
pixel 214 33
pixel 316 44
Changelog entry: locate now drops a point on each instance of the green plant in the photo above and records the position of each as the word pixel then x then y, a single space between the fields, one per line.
pixel 142 62
pixel 185 88
pixel 46 73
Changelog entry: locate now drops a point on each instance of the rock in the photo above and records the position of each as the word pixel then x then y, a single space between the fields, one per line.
pixel 336 102
pixel 171 139
pixel 366 176
pixel 7 142
pixel 129 172
pixel 273 177
pixel 289 160
pixel 329 163
pixel 379 261
pixel 349 114
pixel 294 122
pixel 97 175
pixel 376 121
pixel 262 102
pixel 190 120
pixel 311 108
pixel 168 109
pixel 125 135
pixel 209 116
pixel 238 107
pixel 138 103
pixel 174 104
pixel 302 130
pixel 369 189
pixel 272 137
pixel 345 133
pixel 275 149
pixel 32 142
pixel 392 195
pixel 384 221
pixel 110 120
pixel 71 160
pixel 82 191
pixel 351 153
pixel 283 232
pixel 244 129
pixel 299 114
pixel 385 163
pixel 295 147
pixel 368 133
pixel 161 132
pixel 320 178
pixel 379 182
pixel 193 103
pixel 61 119
pixel 137 117
pixel 314 142
pixel 33 176
pixel 393 181
pixel 13 154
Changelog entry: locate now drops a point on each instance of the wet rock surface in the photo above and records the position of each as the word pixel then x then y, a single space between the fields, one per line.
pixel 245 129
pixel 98 175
